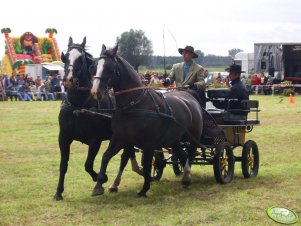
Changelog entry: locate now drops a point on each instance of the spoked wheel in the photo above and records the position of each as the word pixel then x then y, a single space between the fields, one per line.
pixel 250 159
pixel 158 165
pixel 176 165
pixel 223 163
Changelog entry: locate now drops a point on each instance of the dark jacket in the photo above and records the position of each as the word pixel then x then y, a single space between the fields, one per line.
pixel 238 91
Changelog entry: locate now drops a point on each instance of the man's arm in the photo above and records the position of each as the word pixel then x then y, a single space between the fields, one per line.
pixel 171 77
pixel 172 74
pixel 200 82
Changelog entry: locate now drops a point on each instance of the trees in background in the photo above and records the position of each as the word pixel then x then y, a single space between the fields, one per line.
pixel 232 52
pixel 135 47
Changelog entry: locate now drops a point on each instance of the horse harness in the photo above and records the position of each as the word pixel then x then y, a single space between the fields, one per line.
pixel 82 68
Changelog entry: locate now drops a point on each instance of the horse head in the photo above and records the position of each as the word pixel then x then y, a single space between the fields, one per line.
pixel 112 71
pixel 77 62
pixel 106 72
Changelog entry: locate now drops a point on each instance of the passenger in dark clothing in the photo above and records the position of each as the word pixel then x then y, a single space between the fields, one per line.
pixel 238 89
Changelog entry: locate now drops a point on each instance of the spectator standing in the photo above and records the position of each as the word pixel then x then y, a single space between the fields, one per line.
pixel 255 83
pixel 2 88
pixel 243 80
pixel 249 84
pixel 38 81
pixel 48 89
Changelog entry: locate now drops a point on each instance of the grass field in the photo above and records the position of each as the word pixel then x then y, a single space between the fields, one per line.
pixel 29 172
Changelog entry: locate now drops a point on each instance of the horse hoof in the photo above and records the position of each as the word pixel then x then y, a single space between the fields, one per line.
pixel 186 183
pixel 98 191
pixel 113 189
pixel 141 195
pixel 57 197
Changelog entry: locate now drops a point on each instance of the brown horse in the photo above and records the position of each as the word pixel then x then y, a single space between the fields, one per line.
pixel 145 118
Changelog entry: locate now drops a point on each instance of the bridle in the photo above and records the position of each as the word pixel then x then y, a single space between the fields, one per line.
pixel 113 79
pixel 76 75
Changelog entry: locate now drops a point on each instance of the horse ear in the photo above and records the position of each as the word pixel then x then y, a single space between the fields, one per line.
pixel 70 42
pixel 63 57
pixel 114 50
pixel 103 49
pixel 83 43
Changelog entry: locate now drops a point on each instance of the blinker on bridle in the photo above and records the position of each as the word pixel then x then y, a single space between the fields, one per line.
pixel 116 71
pixel 75 79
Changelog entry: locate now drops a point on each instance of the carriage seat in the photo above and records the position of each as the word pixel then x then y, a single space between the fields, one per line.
pixel 227 108
pixel 240 116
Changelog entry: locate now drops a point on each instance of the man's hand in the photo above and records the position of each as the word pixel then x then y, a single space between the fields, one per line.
pixel 165 82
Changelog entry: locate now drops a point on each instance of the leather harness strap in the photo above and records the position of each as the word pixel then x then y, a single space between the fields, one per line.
pixel 131 90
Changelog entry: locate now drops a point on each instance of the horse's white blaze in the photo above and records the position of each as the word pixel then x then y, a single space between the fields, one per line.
pixel 95 86
pixel 98 75
pixel 100 68
pixel 74 54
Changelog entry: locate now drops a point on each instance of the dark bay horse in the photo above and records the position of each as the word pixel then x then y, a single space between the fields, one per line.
pixel 144 118
pixel 84 128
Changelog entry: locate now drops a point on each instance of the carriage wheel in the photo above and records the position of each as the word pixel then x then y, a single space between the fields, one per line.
pixel 157 166
pixel 223 163
pixel 250 159
pixel 176 165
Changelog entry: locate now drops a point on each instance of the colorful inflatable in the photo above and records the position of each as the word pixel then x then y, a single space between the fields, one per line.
pixel 28 49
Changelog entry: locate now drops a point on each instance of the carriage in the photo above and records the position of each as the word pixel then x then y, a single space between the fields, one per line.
pixel 175 121
pixel 225 130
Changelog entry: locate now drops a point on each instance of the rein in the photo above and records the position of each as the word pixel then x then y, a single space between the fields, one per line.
pixel 82 88
pixel 131 90
pixel 146 87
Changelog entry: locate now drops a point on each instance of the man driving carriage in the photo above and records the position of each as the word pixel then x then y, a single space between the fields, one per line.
pixel 237 90
pixel 188 74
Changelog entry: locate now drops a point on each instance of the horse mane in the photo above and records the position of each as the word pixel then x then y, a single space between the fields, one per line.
pixel 129 68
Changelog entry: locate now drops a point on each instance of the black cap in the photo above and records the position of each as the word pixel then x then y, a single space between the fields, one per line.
pixel 234 68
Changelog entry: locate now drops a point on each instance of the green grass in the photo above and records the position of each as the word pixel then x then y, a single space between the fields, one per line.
pixel 29 172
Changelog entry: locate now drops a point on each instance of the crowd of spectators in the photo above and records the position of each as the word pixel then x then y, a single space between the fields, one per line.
pixel 25 88
pixel 255 84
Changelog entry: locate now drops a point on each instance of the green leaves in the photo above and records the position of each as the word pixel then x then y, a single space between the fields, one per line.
pixel 5 30
pixel 49 30
pixel 135 47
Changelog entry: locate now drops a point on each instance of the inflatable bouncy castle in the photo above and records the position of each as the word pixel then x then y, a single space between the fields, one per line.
pixel 28 49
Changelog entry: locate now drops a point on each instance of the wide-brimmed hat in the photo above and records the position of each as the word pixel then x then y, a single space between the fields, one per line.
pixel 188 49
pixel 234 68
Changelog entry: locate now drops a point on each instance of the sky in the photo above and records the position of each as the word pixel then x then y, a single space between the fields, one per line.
pixel 212 26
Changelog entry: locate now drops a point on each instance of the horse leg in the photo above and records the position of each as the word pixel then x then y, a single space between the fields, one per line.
pixel 186 179
pixel 65 153
pixel 184 160
pixel 135 166
pixel 92 152
pixel 123 162
pixel 112 150
pixel 147 166
pixel 126 155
